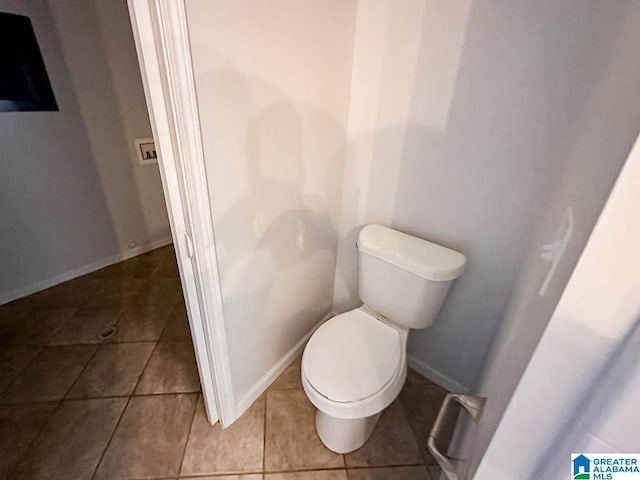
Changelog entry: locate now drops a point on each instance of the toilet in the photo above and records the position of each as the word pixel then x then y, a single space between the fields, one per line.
pixel 354 365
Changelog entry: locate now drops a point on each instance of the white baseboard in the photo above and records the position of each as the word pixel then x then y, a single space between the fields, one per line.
pixel 274 372
pixel 435 376
pixel 78 272
pixel 281 365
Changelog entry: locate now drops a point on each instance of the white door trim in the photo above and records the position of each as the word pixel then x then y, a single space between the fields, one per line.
pixel 162 42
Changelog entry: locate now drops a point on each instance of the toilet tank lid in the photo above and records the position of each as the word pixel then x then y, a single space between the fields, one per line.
pixel 421 257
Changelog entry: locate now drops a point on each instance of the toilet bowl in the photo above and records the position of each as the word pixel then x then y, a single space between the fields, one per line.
pixel 354 365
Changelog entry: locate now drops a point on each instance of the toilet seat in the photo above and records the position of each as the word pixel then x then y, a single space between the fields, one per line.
pixel 354 360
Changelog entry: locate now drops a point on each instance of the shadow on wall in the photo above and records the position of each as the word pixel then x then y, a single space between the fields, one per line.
pixel 474 175
pixel 479 177
pixel 377 195
pixel 397 172
pixel 275 171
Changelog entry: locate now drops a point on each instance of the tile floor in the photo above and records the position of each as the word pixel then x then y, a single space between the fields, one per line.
pixel 75 406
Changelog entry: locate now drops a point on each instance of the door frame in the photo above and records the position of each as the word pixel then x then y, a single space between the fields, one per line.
pixel 162 43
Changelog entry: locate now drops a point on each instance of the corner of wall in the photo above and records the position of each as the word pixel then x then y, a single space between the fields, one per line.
pixel 435 376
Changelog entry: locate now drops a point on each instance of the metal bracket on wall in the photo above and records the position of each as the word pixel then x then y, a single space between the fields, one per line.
pixel 552 252
pixel 473 406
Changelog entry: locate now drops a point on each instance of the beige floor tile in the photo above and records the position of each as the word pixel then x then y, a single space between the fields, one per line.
pixel 154 430
pixel 15 309
pixel 311 475
pixel 177 328
pixel 50 374
pixel 86 324
pixel 392 442
pixel 421 404
pixel 13 360
pixel 291 438
pixel 161 292
pixel 159 254
pixel 114 370
pixel 168 267
pixel 435 472
pixel 290 378
pixel 38 327
pixel 141 323
pixel 136 267
pixel 239 448
pixel 118 293
pixel 73 440
pixel 414 378
pixel 74 293
pixel 150 438
pixel 247 476
pixel 19 425
pixel 390 473
pixel 165 285
pixel 171 369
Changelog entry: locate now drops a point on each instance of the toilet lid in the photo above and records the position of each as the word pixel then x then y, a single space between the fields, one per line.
pixel 351 356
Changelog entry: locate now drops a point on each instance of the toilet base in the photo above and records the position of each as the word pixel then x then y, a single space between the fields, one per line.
pixel 344 435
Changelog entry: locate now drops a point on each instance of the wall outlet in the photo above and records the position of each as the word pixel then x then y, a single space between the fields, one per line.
pixel 146 150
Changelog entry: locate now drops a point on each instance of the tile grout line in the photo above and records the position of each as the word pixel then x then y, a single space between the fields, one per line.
pixel 172 308
pixel 28 364
pixel 327 469
pixel 35 437
pixel 264 435
pixel 393 465
pixel 105 397
pixel 106 447
pixel 344 461
pixel 412 427
pixel 84 368
pixel 39 347
pixel 186 442
pixel 226 475
pixel 170 314
pixel 107 342
pixel 303 470
pixel 115 326
pixel 95 277
pixel 68 321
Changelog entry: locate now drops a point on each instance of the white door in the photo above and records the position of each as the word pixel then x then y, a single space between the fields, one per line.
pixel 580 389
pixel 159 29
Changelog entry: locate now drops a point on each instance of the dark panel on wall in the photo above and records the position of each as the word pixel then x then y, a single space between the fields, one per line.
pixel 24 84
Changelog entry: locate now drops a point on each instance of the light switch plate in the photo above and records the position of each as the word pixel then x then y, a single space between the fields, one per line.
pixel 146 151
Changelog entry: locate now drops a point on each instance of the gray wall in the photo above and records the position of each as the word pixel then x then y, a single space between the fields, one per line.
pixel 596 50
pixel 50 187
pixel 71 195
pixel 97 45
pixel 476 173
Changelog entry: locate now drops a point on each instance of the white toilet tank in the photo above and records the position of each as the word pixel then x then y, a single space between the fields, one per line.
pixel 405 278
